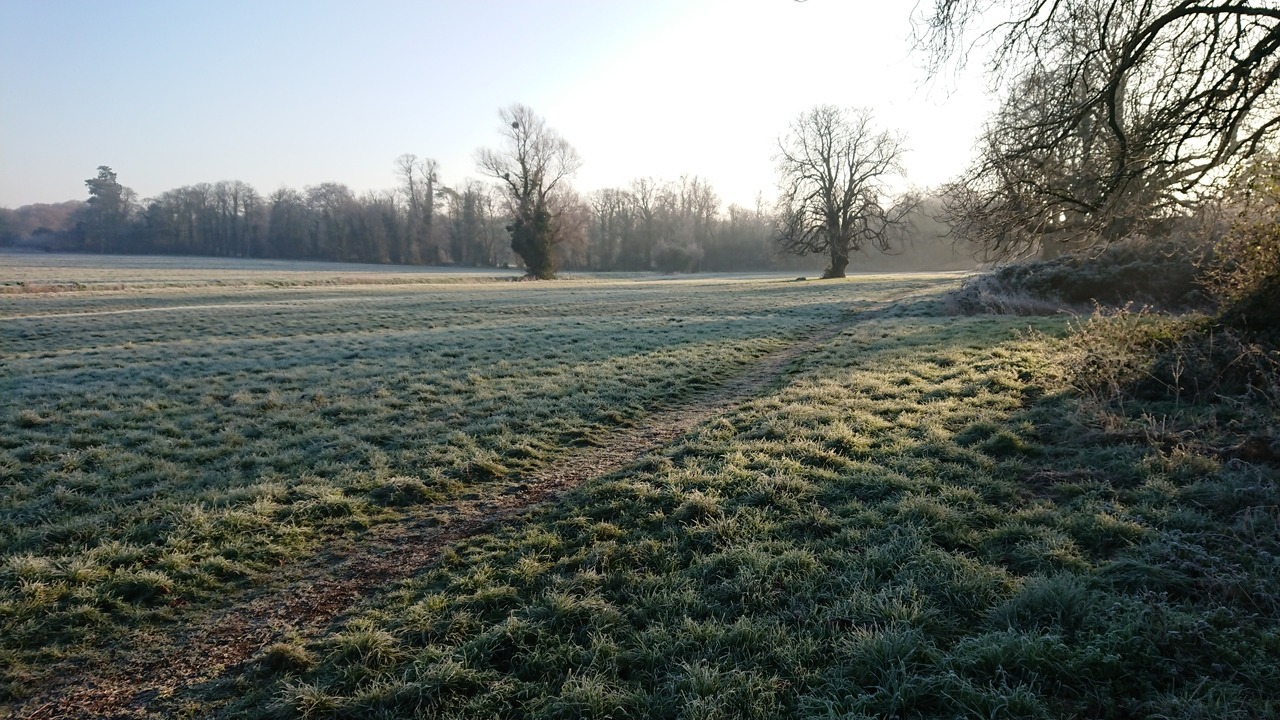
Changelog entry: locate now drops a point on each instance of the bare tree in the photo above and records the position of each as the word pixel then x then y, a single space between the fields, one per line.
pixel 644 194
pixel 613 224
pixel 470 220
pixel 532 168
pixel 1118 112
pixel 1029 188
pixel 834 170
pixel 287 224
pixel 572 227
pixel 418 179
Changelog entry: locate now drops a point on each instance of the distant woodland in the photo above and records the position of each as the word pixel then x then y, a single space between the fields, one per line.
pixel 672 226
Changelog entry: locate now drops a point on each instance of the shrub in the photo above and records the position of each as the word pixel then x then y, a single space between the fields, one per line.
pixel 673 258
pixel 1245 274
pixel 1134 354
pixel 1164 273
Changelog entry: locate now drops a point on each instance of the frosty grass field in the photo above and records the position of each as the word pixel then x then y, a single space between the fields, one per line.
pixel 913 516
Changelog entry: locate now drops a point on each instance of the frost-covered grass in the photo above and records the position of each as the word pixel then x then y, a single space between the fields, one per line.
pixel 61 272
pixel 924 519
pixel 166 447
pixel 922 523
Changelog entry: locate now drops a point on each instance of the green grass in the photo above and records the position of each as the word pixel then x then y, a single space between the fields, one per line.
pixel 914 526
pixel 155 460
pixel 925 519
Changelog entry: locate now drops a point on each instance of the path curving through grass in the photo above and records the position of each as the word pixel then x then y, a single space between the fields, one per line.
pixel 153 668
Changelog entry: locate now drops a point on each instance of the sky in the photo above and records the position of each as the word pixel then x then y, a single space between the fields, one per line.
pixel 300 92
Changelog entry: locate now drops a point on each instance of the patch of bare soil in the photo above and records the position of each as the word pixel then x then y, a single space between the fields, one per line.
pixel 149 670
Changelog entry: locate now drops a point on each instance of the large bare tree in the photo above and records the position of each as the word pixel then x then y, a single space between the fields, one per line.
pixel 532 168
pixel 834 172
pixel 1117 112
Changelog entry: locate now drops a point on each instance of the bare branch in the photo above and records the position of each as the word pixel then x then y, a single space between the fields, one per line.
pixel 1118 113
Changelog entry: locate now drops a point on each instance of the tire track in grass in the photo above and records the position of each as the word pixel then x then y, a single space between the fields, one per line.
pixel 147 675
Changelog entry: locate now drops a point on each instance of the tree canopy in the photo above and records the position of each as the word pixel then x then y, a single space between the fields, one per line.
pixel 1115 112
pixel 108 208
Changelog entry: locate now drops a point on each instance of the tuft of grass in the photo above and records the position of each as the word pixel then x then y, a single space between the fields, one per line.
pixel 286 656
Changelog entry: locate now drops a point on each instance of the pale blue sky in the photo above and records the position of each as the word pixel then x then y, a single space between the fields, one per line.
pixel 290 92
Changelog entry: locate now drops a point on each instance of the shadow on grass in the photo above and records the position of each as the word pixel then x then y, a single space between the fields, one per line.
pixel 913 526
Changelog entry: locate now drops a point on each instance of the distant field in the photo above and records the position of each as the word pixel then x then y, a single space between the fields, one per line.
pixel 809 499
pixel 41 272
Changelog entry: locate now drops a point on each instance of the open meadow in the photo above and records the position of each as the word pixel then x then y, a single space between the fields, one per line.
pixel 242 489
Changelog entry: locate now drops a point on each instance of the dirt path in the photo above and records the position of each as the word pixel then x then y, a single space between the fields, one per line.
pixel 153 667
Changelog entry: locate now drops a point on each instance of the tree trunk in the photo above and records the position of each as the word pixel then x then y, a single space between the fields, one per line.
pixel 839 261
pixel 532 239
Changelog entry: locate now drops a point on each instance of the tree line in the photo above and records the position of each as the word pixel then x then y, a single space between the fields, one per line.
pixel 529 214
pixel 669 226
